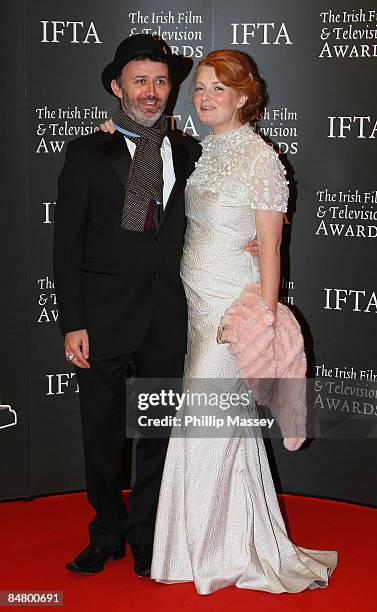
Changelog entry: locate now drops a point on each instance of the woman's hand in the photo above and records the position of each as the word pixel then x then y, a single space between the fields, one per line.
pixel 293 444
pixel 107 126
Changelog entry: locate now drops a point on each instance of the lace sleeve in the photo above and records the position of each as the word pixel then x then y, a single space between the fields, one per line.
pixel 268 188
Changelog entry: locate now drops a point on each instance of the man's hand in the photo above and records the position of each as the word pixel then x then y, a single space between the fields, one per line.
pixel 107 126
pixel 76 347
pixel 252 248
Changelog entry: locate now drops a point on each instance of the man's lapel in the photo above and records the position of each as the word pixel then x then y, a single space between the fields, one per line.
pixel 179 154
pixel 118 156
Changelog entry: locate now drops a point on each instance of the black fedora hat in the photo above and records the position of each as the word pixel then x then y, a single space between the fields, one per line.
pixel 141 45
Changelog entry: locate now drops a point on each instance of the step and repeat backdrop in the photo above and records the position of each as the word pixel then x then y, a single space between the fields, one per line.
pixel 318 59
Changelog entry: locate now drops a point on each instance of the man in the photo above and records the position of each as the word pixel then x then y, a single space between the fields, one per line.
pixel 119 229
pixel 116 261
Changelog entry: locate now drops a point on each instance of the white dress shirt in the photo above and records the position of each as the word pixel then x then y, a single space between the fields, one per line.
pixel 167 161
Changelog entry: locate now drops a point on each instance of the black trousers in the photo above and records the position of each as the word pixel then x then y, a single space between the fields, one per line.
pixel 102 403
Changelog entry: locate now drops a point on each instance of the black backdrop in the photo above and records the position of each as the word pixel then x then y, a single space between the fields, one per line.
pixel 319 61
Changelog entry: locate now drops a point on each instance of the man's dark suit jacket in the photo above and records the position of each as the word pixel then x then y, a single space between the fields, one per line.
pixel 109 280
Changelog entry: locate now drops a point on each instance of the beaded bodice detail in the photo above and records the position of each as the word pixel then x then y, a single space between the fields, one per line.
pixel 240 162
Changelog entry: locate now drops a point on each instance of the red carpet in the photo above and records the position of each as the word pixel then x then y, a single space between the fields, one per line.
pixel 38 537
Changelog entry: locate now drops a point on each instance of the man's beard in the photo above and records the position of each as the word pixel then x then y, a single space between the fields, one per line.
pixel 131 109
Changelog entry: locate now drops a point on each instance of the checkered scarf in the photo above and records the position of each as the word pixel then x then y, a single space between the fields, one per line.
pixel 145 179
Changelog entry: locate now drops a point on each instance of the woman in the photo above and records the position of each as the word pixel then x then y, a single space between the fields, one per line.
pixel 218 522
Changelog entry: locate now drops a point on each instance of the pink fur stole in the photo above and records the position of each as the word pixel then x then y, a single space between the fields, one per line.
pixel 271 359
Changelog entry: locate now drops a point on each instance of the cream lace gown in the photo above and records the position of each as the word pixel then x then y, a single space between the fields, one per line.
pixel 218 522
